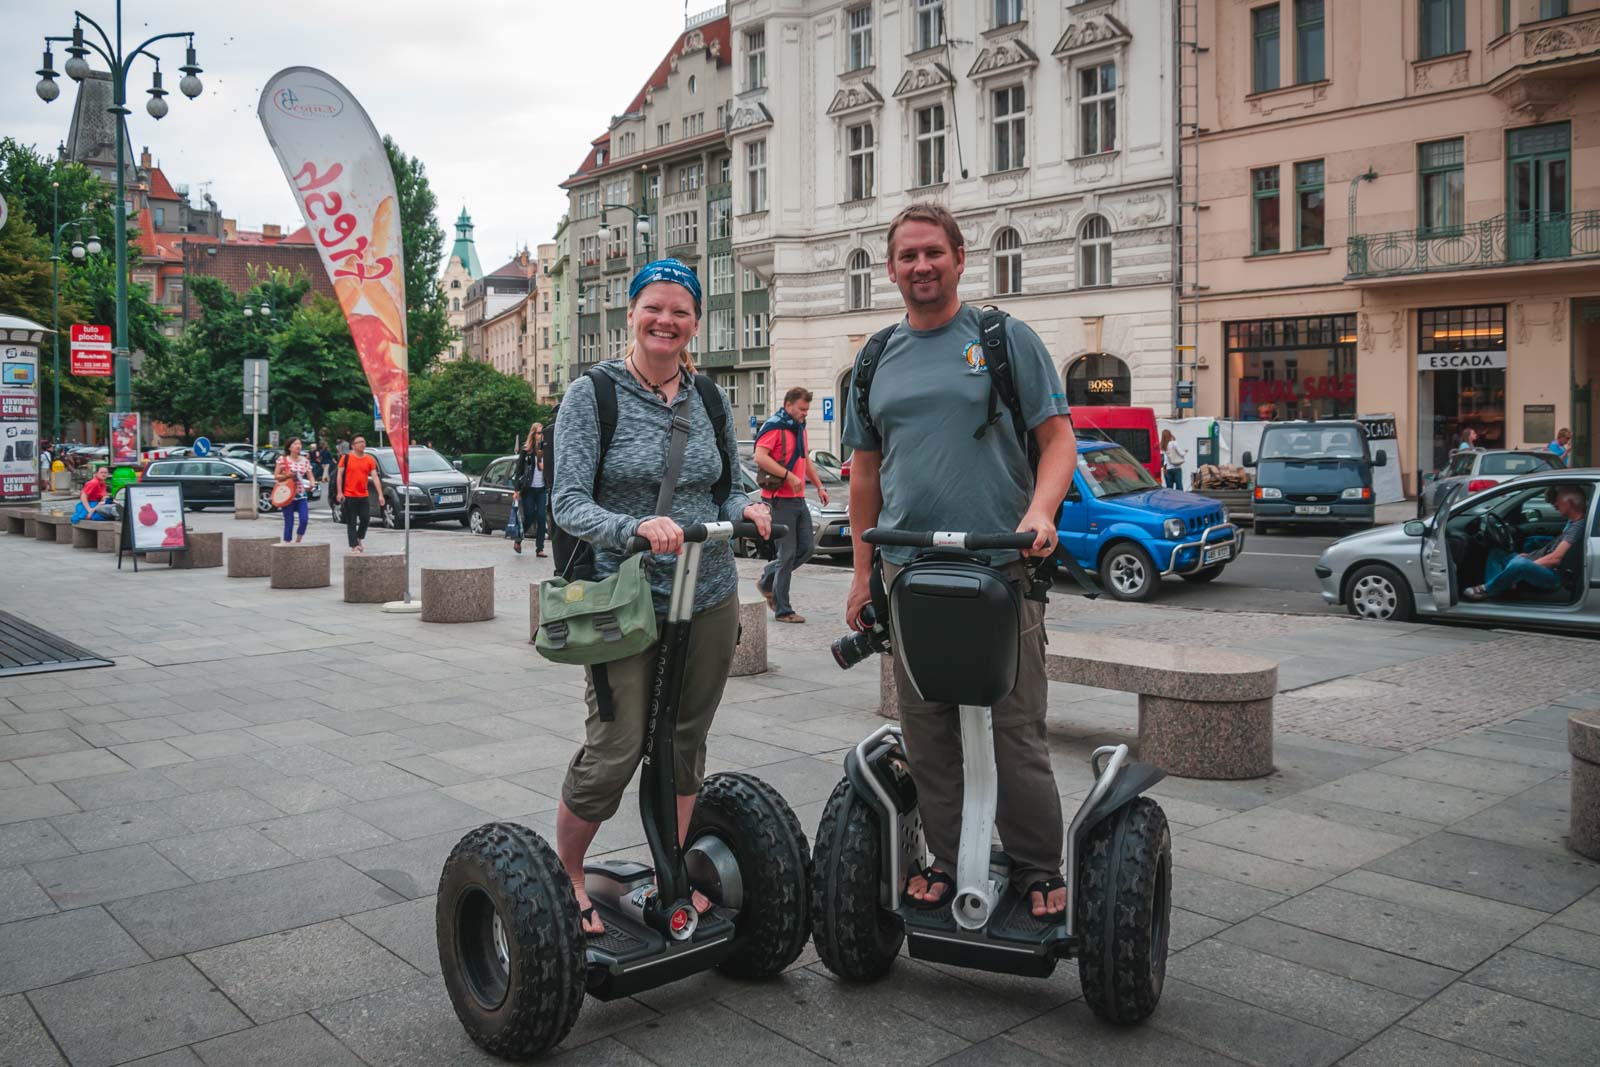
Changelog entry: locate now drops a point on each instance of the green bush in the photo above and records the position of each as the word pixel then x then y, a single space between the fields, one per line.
pixel 473 463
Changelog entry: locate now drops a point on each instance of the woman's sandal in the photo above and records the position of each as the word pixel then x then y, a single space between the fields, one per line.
pixel 933 877
pixel 1044 888
pixel 584 917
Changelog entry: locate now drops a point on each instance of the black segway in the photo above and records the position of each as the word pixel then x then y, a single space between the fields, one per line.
pixel 515 958
pixel 954 621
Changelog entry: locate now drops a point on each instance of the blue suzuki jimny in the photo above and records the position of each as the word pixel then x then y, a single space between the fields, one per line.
pixel 1119 522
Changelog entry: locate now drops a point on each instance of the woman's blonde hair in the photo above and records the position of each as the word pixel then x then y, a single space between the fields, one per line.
pixel 1166 439
pixel 527 445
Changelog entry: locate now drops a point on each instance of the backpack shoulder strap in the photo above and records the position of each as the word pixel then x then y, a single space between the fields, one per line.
pixel 992 324
pixel 861 377
pixel 711 398
pixel 605 405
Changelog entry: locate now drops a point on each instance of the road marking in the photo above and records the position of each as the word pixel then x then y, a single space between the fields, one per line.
pixel 1283 555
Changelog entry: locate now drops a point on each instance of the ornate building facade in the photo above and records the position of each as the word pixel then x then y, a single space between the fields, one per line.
pixel 460 271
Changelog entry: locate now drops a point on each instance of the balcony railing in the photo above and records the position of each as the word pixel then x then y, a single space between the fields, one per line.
pixel 1510 240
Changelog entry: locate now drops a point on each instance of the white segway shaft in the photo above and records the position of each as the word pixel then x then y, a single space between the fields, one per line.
pixel 976 892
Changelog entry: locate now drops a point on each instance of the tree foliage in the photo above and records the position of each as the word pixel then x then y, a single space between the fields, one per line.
pixel 471 407
pixel 428 330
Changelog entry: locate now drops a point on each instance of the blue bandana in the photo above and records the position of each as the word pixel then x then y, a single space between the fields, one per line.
pixel 666 270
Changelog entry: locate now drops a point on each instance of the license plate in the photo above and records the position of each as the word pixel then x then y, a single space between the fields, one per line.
pixel 1311 509
pixel 1221 552
pixel 844 531
pixel 456 498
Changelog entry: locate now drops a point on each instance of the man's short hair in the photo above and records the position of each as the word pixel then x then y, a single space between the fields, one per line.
pixel 797 393
pixel 936 214
pixel 1572 493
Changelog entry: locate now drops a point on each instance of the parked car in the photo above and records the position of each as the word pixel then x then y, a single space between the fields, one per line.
pixel 1419 568
pixel 489 508
pixel 209 482
pixel 1118 521
pixel 1479 468
pixel 438 490
pixel 234 450
pixel 1132 428
pixel 1313 473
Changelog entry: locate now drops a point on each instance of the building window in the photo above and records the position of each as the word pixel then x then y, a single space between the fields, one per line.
pixel 161 216
pixel 862 155
pixel 1444 27
pixel 1309 204
pixel 600 158
pixel 755 59
pixel 730 385
pixel 722 274
pixel 860 272
pixel 683 228
pixel 1102 379
pixel 616 343
pixel 755 175
pixel 724 166
pixel 1309 65
pixel 1007 262
pixel 758 387
pixel 1264 212
pixel 859 22
pixel 691 176
pixel 663 133
pixel 616 292
pixel 752 282
pixel 755 330
pixel 545 343
pixel 455 283
pixel 1552 9
pixel 722 329
pixel 930 24
pixel 1097 109
pixel 588 251
pixel 617 245
pixel 1303 368
pixel 1010 128
pixel 694 125
pixel 617 191
pixel 1007 11
pixel 1094 252
pixel 589 204
pixel 1264 49
pixel 455 303
pixel 652 186
pixel 1441 185
pixel 720 219
pixel 930 145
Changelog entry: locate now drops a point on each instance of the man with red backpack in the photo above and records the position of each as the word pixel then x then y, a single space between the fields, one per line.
pixel 784 471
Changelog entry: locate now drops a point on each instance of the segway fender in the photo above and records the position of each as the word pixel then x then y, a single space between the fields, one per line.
pixel 1133 780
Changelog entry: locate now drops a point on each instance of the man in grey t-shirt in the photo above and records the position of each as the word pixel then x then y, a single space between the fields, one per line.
pixel 919 466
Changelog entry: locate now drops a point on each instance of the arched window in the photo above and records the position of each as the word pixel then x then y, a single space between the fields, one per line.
pixel 860 271
pixel 1007 262
pixel 1094 252
pixel 1098 379
pixel 455 283
pixel 455 303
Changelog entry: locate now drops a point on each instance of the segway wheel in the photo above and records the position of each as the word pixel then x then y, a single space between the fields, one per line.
pixel 1125 910
pixel 856 937
pixel 759 855
pixel 510 943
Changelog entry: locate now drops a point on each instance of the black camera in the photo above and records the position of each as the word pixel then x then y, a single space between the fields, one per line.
pixel 851 649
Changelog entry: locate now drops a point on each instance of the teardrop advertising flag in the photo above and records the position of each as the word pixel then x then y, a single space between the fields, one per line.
pixel 335 162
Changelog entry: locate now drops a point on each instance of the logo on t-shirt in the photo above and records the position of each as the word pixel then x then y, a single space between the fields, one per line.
pixel 973 355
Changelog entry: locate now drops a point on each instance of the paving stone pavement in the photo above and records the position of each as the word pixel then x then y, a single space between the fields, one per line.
pixel 222 850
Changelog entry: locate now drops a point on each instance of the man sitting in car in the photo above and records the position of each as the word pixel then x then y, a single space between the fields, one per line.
pixel 1543 568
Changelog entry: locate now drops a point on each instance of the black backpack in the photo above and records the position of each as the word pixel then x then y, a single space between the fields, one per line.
pixel 1002 391
pixel 574 559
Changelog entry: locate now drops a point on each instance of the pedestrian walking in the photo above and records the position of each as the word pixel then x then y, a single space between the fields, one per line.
pixel 1561 447
pixel 351 481
pixel 918 464
pixel 294 466
pixel 782 457
pixel 529 489
pixel 606 503
pixel 1172 457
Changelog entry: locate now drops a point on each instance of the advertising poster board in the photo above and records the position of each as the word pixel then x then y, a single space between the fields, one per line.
pixel 19 423
pixel 91 350
pixel 1382 437
pixel 124 447
pixel 152 521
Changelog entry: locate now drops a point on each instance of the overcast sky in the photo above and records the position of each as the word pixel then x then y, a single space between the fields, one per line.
pixel 499 99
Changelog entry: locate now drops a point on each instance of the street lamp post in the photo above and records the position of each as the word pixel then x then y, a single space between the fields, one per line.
pixel 120 62
pixel 269 311
pixel 641 221
pixel 78 250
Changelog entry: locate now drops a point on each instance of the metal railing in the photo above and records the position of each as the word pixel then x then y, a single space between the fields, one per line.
pixel 1509 240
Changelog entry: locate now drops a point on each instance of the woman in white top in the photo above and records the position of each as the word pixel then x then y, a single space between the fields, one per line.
pixel 1172 457
pixel 293 465
pixel 530 488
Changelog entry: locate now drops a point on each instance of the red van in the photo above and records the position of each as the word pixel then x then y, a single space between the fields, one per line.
pixel 1132 428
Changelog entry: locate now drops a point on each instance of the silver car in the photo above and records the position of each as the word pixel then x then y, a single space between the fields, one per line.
pixel 1419 568
pixel 1479 468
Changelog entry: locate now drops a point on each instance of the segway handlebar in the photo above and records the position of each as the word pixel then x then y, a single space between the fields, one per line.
pixel 715 531
pixel 879 535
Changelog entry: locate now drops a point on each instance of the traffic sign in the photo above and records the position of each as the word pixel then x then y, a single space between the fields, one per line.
pixel 827 409
pixel 255 387
pixel 753 424
pixel 202 446
pixel 91 350
pixel 377 416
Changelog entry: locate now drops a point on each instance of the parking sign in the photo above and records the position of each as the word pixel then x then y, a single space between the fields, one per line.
pixel 827 409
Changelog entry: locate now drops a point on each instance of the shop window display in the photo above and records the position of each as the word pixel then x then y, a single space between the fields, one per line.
pixel 1300 368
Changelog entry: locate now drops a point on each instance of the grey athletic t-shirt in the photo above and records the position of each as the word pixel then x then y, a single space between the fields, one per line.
pixel 929 394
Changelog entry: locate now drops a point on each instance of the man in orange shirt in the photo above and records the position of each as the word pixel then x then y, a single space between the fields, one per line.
pixel 781 455
pixel 355 472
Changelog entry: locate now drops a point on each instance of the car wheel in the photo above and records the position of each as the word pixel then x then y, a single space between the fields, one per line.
pixel 1205 574
pixel 1128 573
pixel 392 518
pixel 1379 592
pixel 475 522
pixel 264 501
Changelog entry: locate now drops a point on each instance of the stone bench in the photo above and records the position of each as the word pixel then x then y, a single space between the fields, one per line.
pixel 53 526
pixel 249 557
pixel 374 579
pixel 1203 713
pixel 19 521
pixel 1583 741
pixel 750 656
pixel 299 566
pixel 205 550
pixel 99 535
pixel 457 594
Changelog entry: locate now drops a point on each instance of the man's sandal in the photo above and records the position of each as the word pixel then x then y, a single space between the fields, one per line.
pixel 1044 888
pixel 934 878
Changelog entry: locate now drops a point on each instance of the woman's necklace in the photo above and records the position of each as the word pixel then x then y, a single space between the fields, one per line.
pixel 654 387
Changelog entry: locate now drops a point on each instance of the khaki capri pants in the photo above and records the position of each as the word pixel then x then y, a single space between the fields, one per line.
pixel 603 767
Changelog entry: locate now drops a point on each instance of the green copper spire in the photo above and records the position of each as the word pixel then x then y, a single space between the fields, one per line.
pixel 464 248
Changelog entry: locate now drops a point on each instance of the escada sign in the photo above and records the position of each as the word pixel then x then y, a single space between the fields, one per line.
pixel 1460 360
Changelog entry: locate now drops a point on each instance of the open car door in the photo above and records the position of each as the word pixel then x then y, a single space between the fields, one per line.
pixel 1438 567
